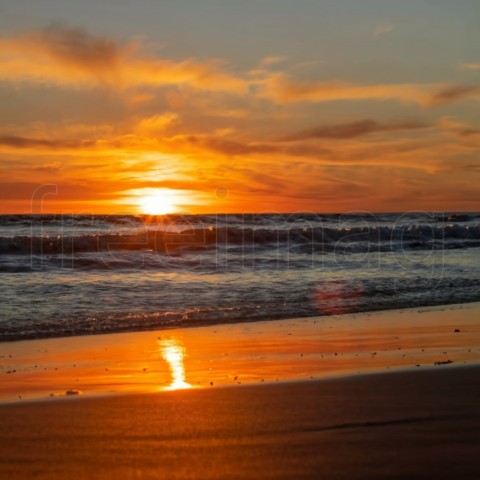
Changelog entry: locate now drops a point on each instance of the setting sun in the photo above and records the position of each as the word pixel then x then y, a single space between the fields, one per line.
pixel 155 201
pixel 161 201
pixel 157 204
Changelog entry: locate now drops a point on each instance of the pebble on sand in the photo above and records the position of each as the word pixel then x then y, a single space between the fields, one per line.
pixel 445 362
pixel 73 392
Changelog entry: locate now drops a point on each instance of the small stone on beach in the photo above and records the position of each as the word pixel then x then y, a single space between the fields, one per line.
pixel 72 392
pixel 445 362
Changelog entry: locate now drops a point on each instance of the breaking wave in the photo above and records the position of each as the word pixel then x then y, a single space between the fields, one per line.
pixel 358 239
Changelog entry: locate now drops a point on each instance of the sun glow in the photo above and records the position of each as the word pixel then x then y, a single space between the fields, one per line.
pixel 157 204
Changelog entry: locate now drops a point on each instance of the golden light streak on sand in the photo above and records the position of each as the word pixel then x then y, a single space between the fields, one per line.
pixel 173 353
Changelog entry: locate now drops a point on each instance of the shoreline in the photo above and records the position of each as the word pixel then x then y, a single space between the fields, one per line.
pixel 256 352
pixel 214 323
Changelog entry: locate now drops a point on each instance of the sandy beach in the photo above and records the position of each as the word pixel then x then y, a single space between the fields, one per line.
pixel 376 395
pixel 422 424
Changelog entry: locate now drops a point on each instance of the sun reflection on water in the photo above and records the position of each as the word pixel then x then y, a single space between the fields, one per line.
pixel 173 352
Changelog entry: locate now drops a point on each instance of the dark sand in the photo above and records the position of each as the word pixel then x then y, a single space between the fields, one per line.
pixel 422 424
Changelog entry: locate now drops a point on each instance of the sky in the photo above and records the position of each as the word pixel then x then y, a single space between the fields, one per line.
pixel 213 106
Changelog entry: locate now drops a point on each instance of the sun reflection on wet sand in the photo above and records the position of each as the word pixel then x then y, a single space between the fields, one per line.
pixel 173 352
pixel 249 353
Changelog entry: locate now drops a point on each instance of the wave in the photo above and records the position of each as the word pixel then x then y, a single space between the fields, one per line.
pixel 67 219
pixel 232 219
pixel 330 298
pixel 355 239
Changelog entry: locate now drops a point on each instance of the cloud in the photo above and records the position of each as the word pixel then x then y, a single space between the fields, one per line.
pixel 273 60
pixel 49 167
pixel 353 130
pixel 39 143
pixel 207 144
pixel 157 123
pixel 282 89
pixel 26 190
pixel 454 93
pixel 78 48
pixel 383 29
pixel 230 147
pixel 74 57
pixel 155 147
pixel 468 132
pixel 134 133
pixel 471 66
pixel 461 129
pixel 22 142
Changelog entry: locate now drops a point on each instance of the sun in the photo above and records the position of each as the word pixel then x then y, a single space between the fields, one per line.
pixel 157 204
pixel 158 201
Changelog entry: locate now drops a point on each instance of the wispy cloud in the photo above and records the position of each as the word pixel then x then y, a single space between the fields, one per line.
pixel 455 93
pixel 471 66
pixel 24 190
pixel 18 142
pixel 383 29
pixel 353 129
pixel 49 167
pixel 284 90
pixel 273 60
pixel 74 57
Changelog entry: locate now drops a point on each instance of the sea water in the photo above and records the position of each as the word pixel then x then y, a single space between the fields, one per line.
pixel 64 275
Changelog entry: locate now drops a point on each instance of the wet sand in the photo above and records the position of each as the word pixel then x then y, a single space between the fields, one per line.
pixel 415 425
pixel 247 353
pixel 284 399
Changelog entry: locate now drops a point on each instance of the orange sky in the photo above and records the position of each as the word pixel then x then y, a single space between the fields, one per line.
pixel 112 117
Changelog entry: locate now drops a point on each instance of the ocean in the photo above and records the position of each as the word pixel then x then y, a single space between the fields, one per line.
pixel 66 275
